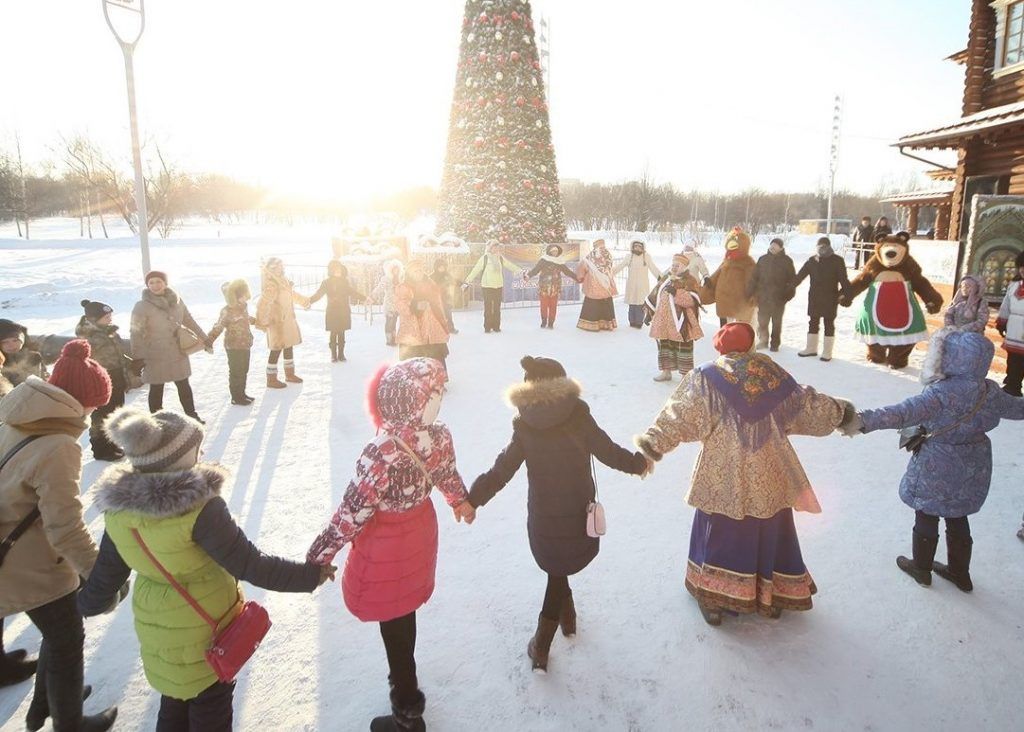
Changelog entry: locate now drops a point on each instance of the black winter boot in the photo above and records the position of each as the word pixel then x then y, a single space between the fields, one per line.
pixel 567 620
pixel 99 722
pixel 15 668
pixel 39 712
pixel 540 644
pixel 403 717
pixel 920 567
pixel 958 553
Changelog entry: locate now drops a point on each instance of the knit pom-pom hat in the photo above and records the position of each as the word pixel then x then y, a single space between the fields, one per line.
pixel 95 310
pixel 81 377
pixel 153 442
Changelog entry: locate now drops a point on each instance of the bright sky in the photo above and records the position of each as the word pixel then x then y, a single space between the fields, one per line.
pixel 345 98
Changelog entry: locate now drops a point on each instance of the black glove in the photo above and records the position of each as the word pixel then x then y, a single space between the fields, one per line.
pixel 670 289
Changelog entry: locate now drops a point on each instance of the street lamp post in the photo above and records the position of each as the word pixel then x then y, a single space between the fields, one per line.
pixel 128 49
pixel 833 162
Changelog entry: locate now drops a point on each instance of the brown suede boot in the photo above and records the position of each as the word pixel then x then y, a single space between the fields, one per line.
pixel 289 373
pixel 567 620
pixel 540 643
pixel 273 382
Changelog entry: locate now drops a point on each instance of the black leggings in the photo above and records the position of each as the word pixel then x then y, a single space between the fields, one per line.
pixel 156 397
pixel 210 711
pixel 927 525
pixel 275 355
pixel 60 671
pixel 555 595
pixel 830 326
pixel 399 637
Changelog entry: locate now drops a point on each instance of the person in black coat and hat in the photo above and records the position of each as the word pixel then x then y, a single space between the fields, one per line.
pixel 827 271
pixel 557 436
pixel 772 287
pixel 339 292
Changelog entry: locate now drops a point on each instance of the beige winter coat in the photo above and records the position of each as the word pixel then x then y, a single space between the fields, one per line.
pixel 46 562
pixel 732 481
pixel 638 284
pixel 275 312
pixel 154 336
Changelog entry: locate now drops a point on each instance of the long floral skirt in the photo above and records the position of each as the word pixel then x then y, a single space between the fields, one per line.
pixel 675 356
pixel 748 566
pixel 597 314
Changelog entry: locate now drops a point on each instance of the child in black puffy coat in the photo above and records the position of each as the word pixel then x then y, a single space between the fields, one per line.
pixel 557 437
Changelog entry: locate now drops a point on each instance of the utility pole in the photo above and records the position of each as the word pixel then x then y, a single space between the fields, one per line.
pixel 128 49
pixel 833 161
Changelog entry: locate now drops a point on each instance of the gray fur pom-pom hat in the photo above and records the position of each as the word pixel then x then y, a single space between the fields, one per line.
pixel 153 442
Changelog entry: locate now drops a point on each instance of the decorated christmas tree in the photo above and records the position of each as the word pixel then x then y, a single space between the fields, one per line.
pixel 500 180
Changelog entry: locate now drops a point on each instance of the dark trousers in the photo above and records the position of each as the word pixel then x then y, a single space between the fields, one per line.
pixel 390 324
pixel 927 525
pixel 101 446
pixel 188 403
pixel 492 308
pixel 1014 374
pixel 636 316
pixel 815 324
pixel 399 637
pixel 211 711
pixel 448 317
pixel 272 359
pixel 338 342
pixel 238 372
pixel 555 596
pixel 60 671
pixel 769 315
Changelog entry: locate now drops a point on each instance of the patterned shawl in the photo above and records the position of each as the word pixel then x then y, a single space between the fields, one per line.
pixel 754 392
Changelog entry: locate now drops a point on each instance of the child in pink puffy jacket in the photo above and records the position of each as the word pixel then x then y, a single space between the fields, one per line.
pixel 389 519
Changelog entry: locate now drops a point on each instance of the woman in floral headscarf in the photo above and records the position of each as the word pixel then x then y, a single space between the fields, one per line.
pixel 744 552
pixel 597 273
pixel 969 310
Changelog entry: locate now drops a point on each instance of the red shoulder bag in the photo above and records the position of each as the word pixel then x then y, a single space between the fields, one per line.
pixel 232 647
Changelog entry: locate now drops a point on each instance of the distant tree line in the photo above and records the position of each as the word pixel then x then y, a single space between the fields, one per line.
pixel 84 181
pixel 641 205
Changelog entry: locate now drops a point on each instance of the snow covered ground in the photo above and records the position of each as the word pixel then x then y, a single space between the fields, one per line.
pixel 877 652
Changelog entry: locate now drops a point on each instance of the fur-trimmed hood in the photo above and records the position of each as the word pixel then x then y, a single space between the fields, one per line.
pixel 160 495
pixel 954 353
pixel 547 402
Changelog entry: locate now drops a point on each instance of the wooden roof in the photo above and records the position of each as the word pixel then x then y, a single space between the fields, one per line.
pixel 954 135
pixel 943 197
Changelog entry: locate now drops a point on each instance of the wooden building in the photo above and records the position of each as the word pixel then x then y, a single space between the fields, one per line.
pixel 989 136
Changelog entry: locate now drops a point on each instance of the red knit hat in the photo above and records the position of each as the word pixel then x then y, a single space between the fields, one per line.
pixel 734 338
pixel 80 376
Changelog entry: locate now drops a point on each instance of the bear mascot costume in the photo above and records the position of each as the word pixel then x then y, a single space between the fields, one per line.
pixel 727 287
pixel 891 321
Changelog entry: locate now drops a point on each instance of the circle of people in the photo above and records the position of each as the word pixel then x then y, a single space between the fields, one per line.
pixel 166 521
